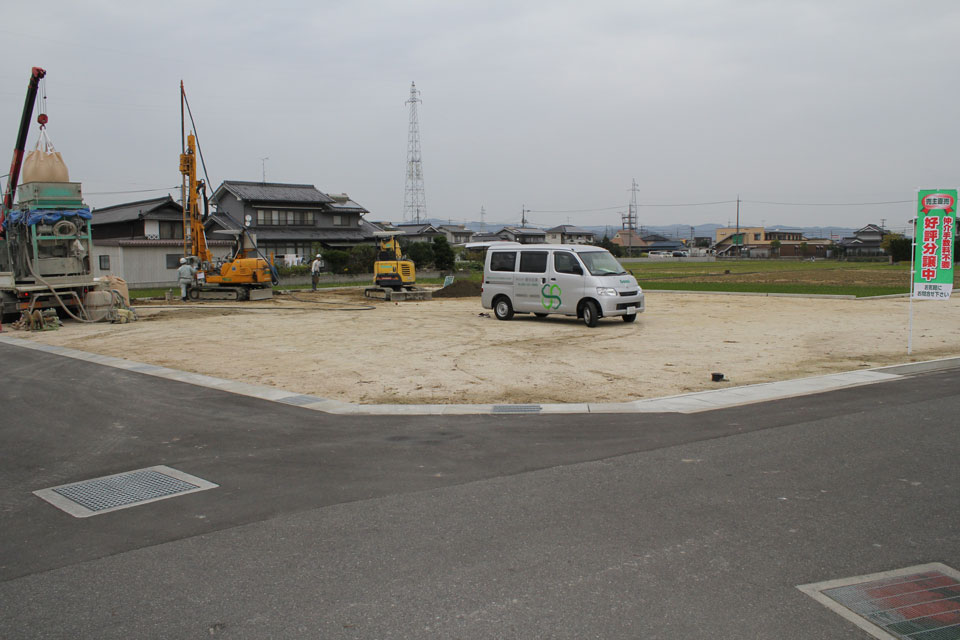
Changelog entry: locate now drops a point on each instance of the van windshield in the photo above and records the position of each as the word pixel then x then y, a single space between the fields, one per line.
pixel 601 263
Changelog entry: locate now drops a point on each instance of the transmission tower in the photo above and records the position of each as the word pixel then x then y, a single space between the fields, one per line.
pixel 414 202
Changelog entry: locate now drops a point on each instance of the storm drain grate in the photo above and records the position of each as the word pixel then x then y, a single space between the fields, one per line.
pixel 122 490
pixel 516 408
pixel 916 603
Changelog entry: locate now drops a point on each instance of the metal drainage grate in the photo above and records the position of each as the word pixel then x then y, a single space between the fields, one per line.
pixel 916 603
pixel 122 490
pixel 516 408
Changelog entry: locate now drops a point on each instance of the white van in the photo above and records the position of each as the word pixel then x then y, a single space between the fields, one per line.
pixel 574 280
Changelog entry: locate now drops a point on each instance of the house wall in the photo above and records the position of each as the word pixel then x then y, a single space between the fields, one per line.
pixel 144 267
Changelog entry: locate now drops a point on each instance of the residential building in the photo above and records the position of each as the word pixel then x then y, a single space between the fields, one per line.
pixel 523 235
pixel 417 232
pixel 142 242
pixel 569 234
pixel 290 219
pixel 865 241
pixel 627 238
pixel 457 234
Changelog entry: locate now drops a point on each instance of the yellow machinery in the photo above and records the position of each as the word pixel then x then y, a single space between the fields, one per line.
pixel 391 271
pixel 244 276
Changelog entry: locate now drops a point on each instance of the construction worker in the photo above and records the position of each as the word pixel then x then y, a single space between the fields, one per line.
pixel 315 271
pixel 185 274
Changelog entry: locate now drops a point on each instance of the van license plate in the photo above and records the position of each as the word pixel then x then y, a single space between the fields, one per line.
pixel 630 311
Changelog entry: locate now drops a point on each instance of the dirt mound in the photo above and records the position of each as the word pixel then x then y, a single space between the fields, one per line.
pixel 459 289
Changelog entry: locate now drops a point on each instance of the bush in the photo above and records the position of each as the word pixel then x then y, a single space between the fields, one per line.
pixel 296 270
pixel 361 258
pixel 421 253
pixel 335 260
pixel 443 257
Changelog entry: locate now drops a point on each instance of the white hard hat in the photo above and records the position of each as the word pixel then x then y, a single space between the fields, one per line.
pixel 318 255
pixel 183 260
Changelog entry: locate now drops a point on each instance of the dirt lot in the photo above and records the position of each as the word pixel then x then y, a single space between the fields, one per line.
pixel 450 351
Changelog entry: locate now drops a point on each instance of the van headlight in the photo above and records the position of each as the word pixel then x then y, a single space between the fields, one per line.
pixel 606 291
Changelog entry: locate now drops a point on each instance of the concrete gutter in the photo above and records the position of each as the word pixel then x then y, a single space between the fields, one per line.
pixel 686 403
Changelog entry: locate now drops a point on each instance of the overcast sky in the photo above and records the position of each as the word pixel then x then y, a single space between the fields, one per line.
pixel 553 105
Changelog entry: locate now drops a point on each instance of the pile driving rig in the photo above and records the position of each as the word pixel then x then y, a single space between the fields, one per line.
pixel 244 276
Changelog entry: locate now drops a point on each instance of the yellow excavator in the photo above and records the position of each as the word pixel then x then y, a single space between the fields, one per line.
pixel 244 276
pixel 391 272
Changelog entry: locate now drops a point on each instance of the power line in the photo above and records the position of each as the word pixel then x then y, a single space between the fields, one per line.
pixel 716 202
pixel 111 193
pixel 829 204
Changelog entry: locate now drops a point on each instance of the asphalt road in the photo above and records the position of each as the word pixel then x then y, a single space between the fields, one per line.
pixel 563 526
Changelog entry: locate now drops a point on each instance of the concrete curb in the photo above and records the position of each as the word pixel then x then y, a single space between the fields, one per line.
pixel 686 403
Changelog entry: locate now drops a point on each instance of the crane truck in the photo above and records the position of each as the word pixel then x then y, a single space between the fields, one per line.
pixel 245 275
pixel 45 239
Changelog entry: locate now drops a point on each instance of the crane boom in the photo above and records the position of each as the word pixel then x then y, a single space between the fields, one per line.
pixel 35 75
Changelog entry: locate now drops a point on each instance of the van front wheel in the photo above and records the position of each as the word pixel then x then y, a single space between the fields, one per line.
pixel 630 318
pixel 502 308
pixel 591 314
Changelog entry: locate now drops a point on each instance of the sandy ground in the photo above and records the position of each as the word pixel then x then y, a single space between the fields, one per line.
pixel 445 351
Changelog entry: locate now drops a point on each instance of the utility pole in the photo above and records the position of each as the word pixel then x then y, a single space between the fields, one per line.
pixel 737 237
pixel 629 220
pixel 263 169
pixel 483 215
pixel 523 215
pixel 414 201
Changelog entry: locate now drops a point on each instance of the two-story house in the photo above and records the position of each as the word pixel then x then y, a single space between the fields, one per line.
pixel 290 219
pixel 569 234
pixel 865 241
pixel 456 233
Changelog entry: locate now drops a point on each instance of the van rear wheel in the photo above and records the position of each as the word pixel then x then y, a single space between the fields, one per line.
pixel 591 313
pixel 502 308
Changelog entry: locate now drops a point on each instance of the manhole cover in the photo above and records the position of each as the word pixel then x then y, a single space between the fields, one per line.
pixel 516 408
pixel 122 490
pixel 916 603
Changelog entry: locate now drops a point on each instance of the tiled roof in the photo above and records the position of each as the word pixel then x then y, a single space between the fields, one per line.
pixel 273 192
pixel 155 208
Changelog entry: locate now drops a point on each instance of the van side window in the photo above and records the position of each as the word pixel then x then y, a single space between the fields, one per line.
pixel 503 260
pixel 564 262
pixel 533 261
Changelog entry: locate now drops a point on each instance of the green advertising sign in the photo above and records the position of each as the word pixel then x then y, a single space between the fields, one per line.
pixel 933 250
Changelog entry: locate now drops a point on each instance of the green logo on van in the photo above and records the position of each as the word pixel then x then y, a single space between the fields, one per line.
pixel 550 296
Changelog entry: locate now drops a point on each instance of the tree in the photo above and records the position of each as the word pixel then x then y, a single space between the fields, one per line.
pixel 802 249
pixel 610 246
pixel 897 247
pixel 335 260
pixel 443 256
pixel 421 253
pixel 775 247
pixel 361 258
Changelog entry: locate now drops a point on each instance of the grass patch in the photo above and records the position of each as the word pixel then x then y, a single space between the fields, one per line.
pixel 759 287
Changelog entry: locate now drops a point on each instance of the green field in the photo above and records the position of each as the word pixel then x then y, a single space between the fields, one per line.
pixel 823 277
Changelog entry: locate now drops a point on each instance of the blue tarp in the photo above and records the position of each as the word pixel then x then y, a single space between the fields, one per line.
pixel 44 216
